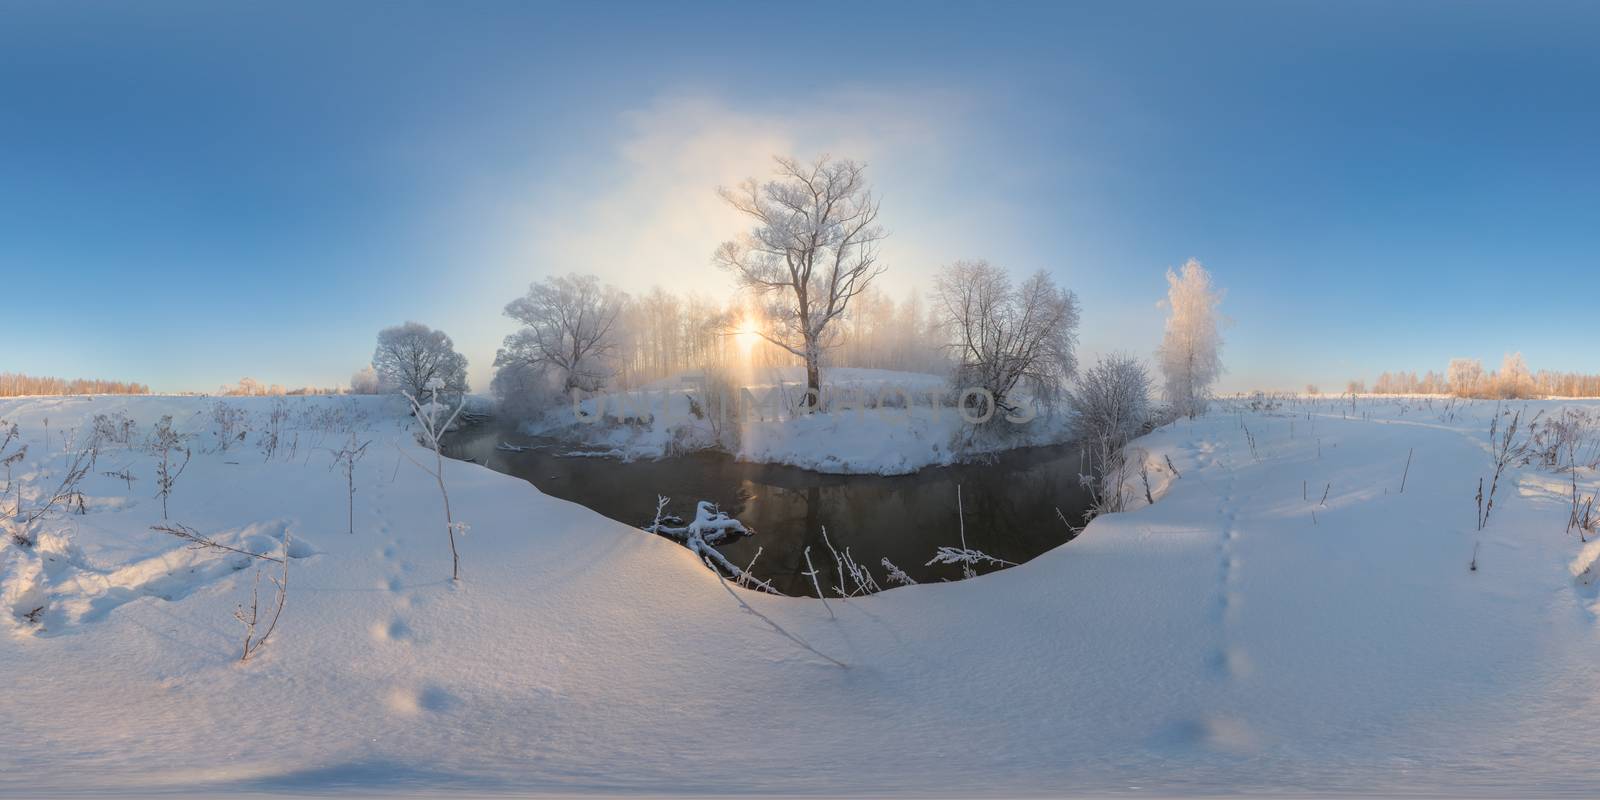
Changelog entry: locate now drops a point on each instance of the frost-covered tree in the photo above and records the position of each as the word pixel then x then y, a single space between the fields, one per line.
pixel 1111 403
pixel 813 249
pixel 1112 399
pixel 411 357
pixel 569 328
pixel 365 381
pixel 1004 335
pixel 524 392
pixel 1191 353
pixel 1465 376
pixel 1516 380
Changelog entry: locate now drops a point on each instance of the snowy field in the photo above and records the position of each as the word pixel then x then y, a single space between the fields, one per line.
pixel 1243 634
pixel 876 422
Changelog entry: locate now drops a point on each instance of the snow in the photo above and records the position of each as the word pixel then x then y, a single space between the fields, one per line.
pixel 879 422
pixel 1220 640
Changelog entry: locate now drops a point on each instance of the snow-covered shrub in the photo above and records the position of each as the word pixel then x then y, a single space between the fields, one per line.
pixel 1566 439
pixel 270 434
pixel 229 424
pixel 1112 406
pixel 164 443
pixel 20 522
pixel 524 392
pixel 114 428
pixel 1112 399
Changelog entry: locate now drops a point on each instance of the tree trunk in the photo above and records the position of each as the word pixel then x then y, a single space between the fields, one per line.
pixel 813 382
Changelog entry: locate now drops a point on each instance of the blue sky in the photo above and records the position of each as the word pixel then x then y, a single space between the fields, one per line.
pixel 192 193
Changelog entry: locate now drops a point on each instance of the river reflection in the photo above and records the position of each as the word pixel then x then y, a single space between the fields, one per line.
pixel 1011 505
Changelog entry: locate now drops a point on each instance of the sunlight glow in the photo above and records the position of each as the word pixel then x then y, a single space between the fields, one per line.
pixel 747 336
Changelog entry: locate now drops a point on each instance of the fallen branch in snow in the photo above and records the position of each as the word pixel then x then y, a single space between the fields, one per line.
pixel 709 528
pixel 1407 473
pixel 1174 469
pixel 198 542
pixel 965 556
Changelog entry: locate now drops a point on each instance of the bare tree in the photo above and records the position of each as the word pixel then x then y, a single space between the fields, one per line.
pixel 1003 335
pixel 411 356
pixel 814 247
pixel 570 326
pixel 1190 354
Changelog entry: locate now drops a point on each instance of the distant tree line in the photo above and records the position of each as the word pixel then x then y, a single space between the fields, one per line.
pixel 250 387
pixel 1466 377
pixel 15 384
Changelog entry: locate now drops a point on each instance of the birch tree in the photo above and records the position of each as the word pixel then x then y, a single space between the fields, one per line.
pixel 813 249
pixel 1190 354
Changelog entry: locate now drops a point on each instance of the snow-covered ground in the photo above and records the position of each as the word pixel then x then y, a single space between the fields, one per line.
pixel 876 422
pixel 1223 639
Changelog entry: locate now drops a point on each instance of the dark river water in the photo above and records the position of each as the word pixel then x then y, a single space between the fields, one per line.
pixel 1011 504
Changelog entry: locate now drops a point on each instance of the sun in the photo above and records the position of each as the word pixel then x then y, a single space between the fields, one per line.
pixel 748 334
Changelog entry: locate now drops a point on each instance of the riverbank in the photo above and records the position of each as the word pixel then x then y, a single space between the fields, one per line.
pixel 869 422
pixel 1245 633
pixel 1017 504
